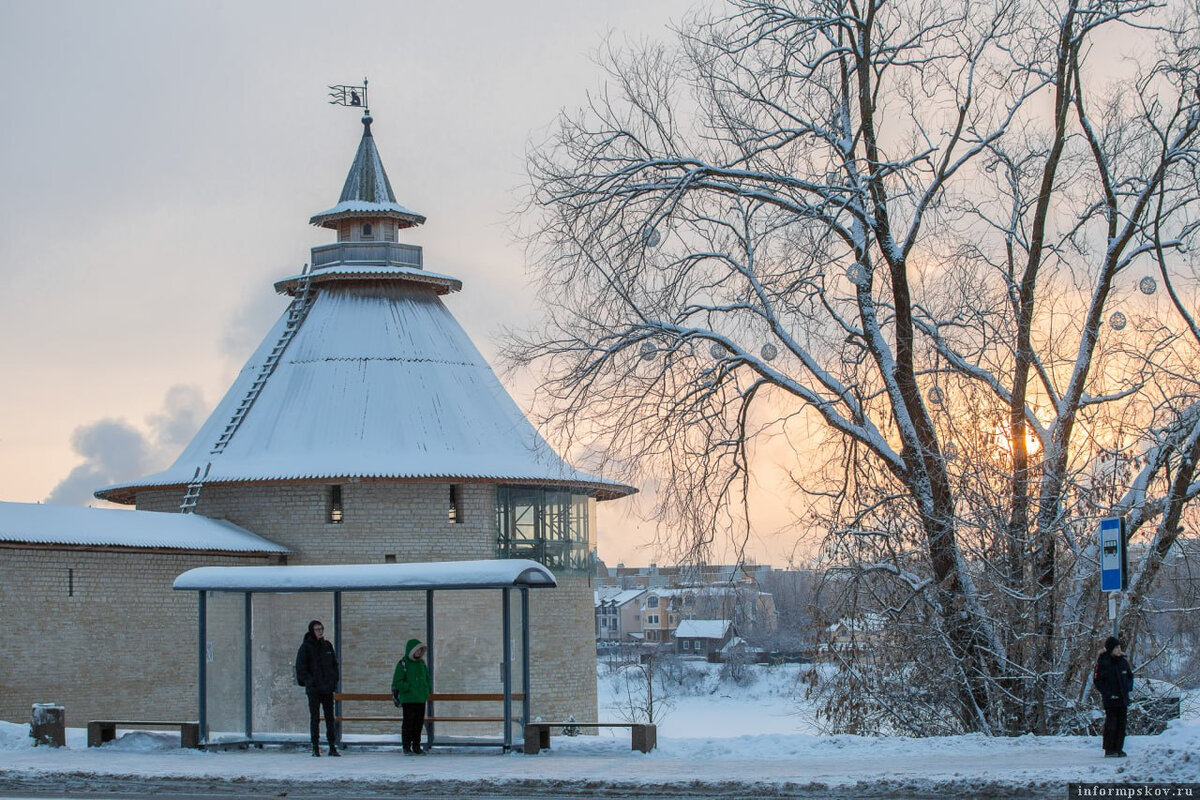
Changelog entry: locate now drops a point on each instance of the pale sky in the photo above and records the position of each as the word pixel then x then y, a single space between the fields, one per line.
pixel 159 162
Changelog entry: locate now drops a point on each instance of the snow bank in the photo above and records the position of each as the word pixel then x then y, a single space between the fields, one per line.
pixel 717 739
pixel 14 736
pixel 1173 755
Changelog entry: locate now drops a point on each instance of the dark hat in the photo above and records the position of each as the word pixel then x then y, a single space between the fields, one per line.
pixel 317 622
pixel 1111 643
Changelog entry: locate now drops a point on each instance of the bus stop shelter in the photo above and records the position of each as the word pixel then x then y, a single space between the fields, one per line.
pixel 503 575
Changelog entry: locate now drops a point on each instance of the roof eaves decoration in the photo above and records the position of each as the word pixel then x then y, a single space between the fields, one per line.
pixel 358 208
pixel 76 526
pixel 589 484
pixel 443 284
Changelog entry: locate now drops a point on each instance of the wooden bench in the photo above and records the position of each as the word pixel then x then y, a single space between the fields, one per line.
pixel 537 734
pixel 430 719
pixel 105 730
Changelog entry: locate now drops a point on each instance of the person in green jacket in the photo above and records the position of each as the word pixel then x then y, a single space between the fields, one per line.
pixel 411 686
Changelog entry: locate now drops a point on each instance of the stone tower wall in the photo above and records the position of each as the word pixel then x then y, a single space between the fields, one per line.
pixel 410 523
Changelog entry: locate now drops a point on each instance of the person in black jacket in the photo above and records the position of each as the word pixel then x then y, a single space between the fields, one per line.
pixel 1113 678
pixel 317 672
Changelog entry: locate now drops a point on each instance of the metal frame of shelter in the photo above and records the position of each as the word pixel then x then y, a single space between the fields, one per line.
pixel 502 574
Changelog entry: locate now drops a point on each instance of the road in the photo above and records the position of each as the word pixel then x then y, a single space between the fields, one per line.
pixel 68 787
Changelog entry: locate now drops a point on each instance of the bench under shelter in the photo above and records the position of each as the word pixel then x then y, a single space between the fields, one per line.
pixel 502 575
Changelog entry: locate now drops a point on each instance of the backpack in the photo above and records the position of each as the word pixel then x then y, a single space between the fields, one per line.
pixel 299 661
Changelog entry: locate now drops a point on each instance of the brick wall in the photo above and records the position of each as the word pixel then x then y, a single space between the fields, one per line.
pixel 101 633
pixel 406 521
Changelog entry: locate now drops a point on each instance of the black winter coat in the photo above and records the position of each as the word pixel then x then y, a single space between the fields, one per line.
pixel 317 665
pixel 1113 678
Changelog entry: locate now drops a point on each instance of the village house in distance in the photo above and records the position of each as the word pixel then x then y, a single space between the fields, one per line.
pixel 697 611
pixel 366 428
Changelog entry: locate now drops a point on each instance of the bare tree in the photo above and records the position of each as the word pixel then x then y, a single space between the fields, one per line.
pixel 640 691
pixel 898 243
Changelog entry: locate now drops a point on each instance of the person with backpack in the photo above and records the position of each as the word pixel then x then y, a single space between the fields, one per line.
pixel 317 671
pixel 1113 678
pixel 411 686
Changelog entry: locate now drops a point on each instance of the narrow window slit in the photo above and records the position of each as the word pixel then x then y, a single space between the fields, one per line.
pixel 335 505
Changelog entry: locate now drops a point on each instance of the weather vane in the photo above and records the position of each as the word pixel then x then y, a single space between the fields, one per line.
pixel 353 96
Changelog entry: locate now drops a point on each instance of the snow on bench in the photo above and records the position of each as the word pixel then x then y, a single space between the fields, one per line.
pixel 105 730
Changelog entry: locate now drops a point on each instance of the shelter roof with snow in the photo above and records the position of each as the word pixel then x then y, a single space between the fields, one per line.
pixel 75 526
pixel 492 573
pixel 367 375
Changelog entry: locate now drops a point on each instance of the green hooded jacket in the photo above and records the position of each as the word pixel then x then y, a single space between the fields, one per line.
pixel 411 681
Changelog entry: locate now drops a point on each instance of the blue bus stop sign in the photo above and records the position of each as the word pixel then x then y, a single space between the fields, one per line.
pixel 1112 554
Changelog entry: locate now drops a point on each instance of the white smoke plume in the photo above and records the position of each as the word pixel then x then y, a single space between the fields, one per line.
pixel 114 451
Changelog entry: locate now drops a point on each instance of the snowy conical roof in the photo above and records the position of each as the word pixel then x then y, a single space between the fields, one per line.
pixel 377 381
pixel 367 191
pixel 380 381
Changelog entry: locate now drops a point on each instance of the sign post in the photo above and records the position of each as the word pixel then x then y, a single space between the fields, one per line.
pixel 1114 574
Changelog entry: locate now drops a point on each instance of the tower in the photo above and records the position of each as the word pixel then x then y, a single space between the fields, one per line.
pixel 368 428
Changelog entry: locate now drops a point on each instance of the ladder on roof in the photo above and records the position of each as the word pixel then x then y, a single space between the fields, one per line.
pixel 193 490
pixel 302 301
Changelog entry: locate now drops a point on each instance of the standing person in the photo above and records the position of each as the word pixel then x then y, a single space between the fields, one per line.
pixel 317 671
pixel 1113 678
pixel 411 686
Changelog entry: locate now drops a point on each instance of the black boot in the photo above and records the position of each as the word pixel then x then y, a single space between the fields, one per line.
pixel 333 751
pixel 316 751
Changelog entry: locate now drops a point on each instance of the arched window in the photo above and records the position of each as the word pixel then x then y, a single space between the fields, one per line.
pixel 366 230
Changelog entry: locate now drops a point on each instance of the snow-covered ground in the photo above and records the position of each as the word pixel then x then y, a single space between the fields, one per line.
pixel 718 740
